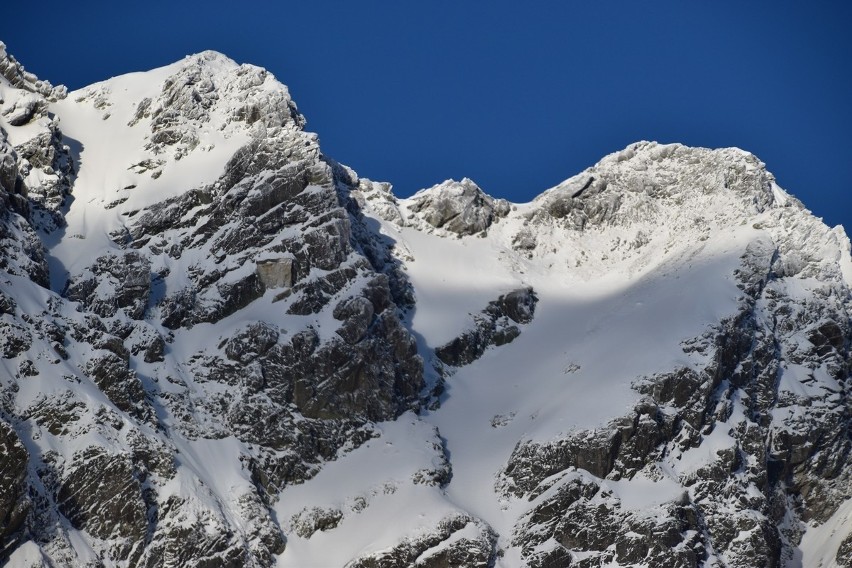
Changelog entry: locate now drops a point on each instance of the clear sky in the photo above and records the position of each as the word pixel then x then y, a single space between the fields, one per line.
pixel 517 96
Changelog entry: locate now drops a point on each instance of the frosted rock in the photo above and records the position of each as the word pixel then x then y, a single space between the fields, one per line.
pixel 459 207
pixel 114 282
pixel 15 73
pixel 14 504
pixel 25 109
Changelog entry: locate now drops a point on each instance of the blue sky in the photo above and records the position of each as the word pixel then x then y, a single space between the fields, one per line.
pixel 517 96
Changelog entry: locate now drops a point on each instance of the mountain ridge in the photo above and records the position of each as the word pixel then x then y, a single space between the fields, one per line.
pixel 222 346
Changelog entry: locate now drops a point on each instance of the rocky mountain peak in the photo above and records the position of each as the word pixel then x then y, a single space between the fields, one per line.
pixel 220 347
pixel 665 182
pixel 200 209
pixel 459 207
pixel 678 197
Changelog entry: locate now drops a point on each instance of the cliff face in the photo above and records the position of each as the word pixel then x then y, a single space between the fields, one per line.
pixel 221 347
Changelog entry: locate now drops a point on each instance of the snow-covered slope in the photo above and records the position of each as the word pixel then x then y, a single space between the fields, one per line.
pixel 222 348
pixel 672 368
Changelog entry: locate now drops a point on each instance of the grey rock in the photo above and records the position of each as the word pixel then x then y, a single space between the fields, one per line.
pixel 287 224
pixel 844 552
pixel 103 495
pixel 275 273
pixel 251 342
pixel 492 327
pixel 20 78
pixel 357 315
pixel 47 152
pixel 310 520
pixel 14 337
pixel 14 502
pixel 584 518
pixel 462 552
pixel 24 252
pixel 747 494
pixel 145 339
pixel 113 283
pixel 459 207
pixel 112 376
pixel 58 413
pixel 26 109
pixel 7 304
pixel 183 539
pixel 8 168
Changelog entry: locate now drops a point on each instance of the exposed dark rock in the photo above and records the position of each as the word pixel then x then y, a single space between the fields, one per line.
pixel 250 343
pixel 739 495
pixel 58 413
pixel 20 78
pixel 517 305
pixel 844 553
pixel 24 253
pixel 114 282
pixel 7 304
pixel 112 376
pixel 187 539
pixel 14 338
pixel 584 518
pixel 491 327
pixel 311 296
pixel 378 379
pixel 14 502
pixel 8 168
pixel 357 315
pixel 618 450
pixel 477 552
pixel 584 202
pixel 308 521
pixel 103 495
pixel 47 152
pixel 376 247
pixel 748 436
pixel 524 240
pixel 144 339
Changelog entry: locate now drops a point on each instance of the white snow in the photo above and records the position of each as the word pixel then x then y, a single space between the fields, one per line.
pixel 820 543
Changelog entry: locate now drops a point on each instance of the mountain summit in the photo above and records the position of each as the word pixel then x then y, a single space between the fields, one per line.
pixel 221 347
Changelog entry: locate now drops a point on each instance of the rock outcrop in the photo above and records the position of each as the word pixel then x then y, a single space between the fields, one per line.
pixel 496 325
pixel 459 207
pixel 455 541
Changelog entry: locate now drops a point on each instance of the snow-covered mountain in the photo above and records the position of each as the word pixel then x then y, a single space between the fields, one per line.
pixel 220 347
